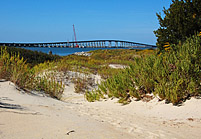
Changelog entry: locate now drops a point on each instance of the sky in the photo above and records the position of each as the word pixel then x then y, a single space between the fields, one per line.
pixel 52 20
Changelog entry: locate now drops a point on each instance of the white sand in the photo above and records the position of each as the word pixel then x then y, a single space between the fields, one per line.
pixel 37 117
pixel 117 66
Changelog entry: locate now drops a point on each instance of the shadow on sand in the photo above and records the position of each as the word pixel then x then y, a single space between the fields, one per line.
pixel 10 106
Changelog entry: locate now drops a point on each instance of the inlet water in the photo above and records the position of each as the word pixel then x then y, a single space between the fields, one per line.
pixel 67 51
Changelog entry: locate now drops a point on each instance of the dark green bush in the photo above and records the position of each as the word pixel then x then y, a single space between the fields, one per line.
pixel 31 57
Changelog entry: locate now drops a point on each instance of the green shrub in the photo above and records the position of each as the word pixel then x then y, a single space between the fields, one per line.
pixel 173 76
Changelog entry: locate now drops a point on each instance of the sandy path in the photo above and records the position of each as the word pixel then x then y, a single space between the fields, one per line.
pixel 143 120
pixel 142 125
pixel 39 117
pixel 24 116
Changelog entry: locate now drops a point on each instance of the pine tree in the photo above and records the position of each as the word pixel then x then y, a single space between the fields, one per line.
pixel 181 20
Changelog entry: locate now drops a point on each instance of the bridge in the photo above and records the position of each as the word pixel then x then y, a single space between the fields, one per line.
pixel 84 44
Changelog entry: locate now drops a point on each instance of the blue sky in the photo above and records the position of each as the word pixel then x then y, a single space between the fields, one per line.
pixel 52 20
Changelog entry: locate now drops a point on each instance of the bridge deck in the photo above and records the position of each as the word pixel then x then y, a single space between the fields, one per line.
pixel 83 44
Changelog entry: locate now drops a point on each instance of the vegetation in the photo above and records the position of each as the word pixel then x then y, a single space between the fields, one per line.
pixel 93 95
pixel 98 62
pixel 80 85
pixel 16 70
pixel 31 57
pixel 173 76
pixel 19 66
pixel 181 20
pixel 49 85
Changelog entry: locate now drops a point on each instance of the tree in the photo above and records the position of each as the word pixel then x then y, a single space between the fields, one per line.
pixel 181 20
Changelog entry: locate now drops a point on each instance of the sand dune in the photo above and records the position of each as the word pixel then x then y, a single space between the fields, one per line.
pixel 36 116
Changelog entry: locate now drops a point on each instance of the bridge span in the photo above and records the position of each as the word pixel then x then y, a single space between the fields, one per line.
pixel 83 44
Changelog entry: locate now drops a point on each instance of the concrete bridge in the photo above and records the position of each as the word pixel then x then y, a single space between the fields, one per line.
pixel 83 44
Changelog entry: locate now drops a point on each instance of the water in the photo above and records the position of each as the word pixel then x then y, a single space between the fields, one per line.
pixel 67 51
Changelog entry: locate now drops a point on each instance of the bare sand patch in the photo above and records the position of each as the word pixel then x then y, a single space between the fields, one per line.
pixel 117 66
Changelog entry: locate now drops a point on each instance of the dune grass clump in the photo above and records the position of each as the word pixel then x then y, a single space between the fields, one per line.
pixel 80 84
pixel 173 76
pixel 92 96
pixel 15 69
pixel 49 86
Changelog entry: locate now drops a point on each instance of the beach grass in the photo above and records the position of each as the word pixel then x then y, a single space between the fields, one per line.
pixel 173 76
